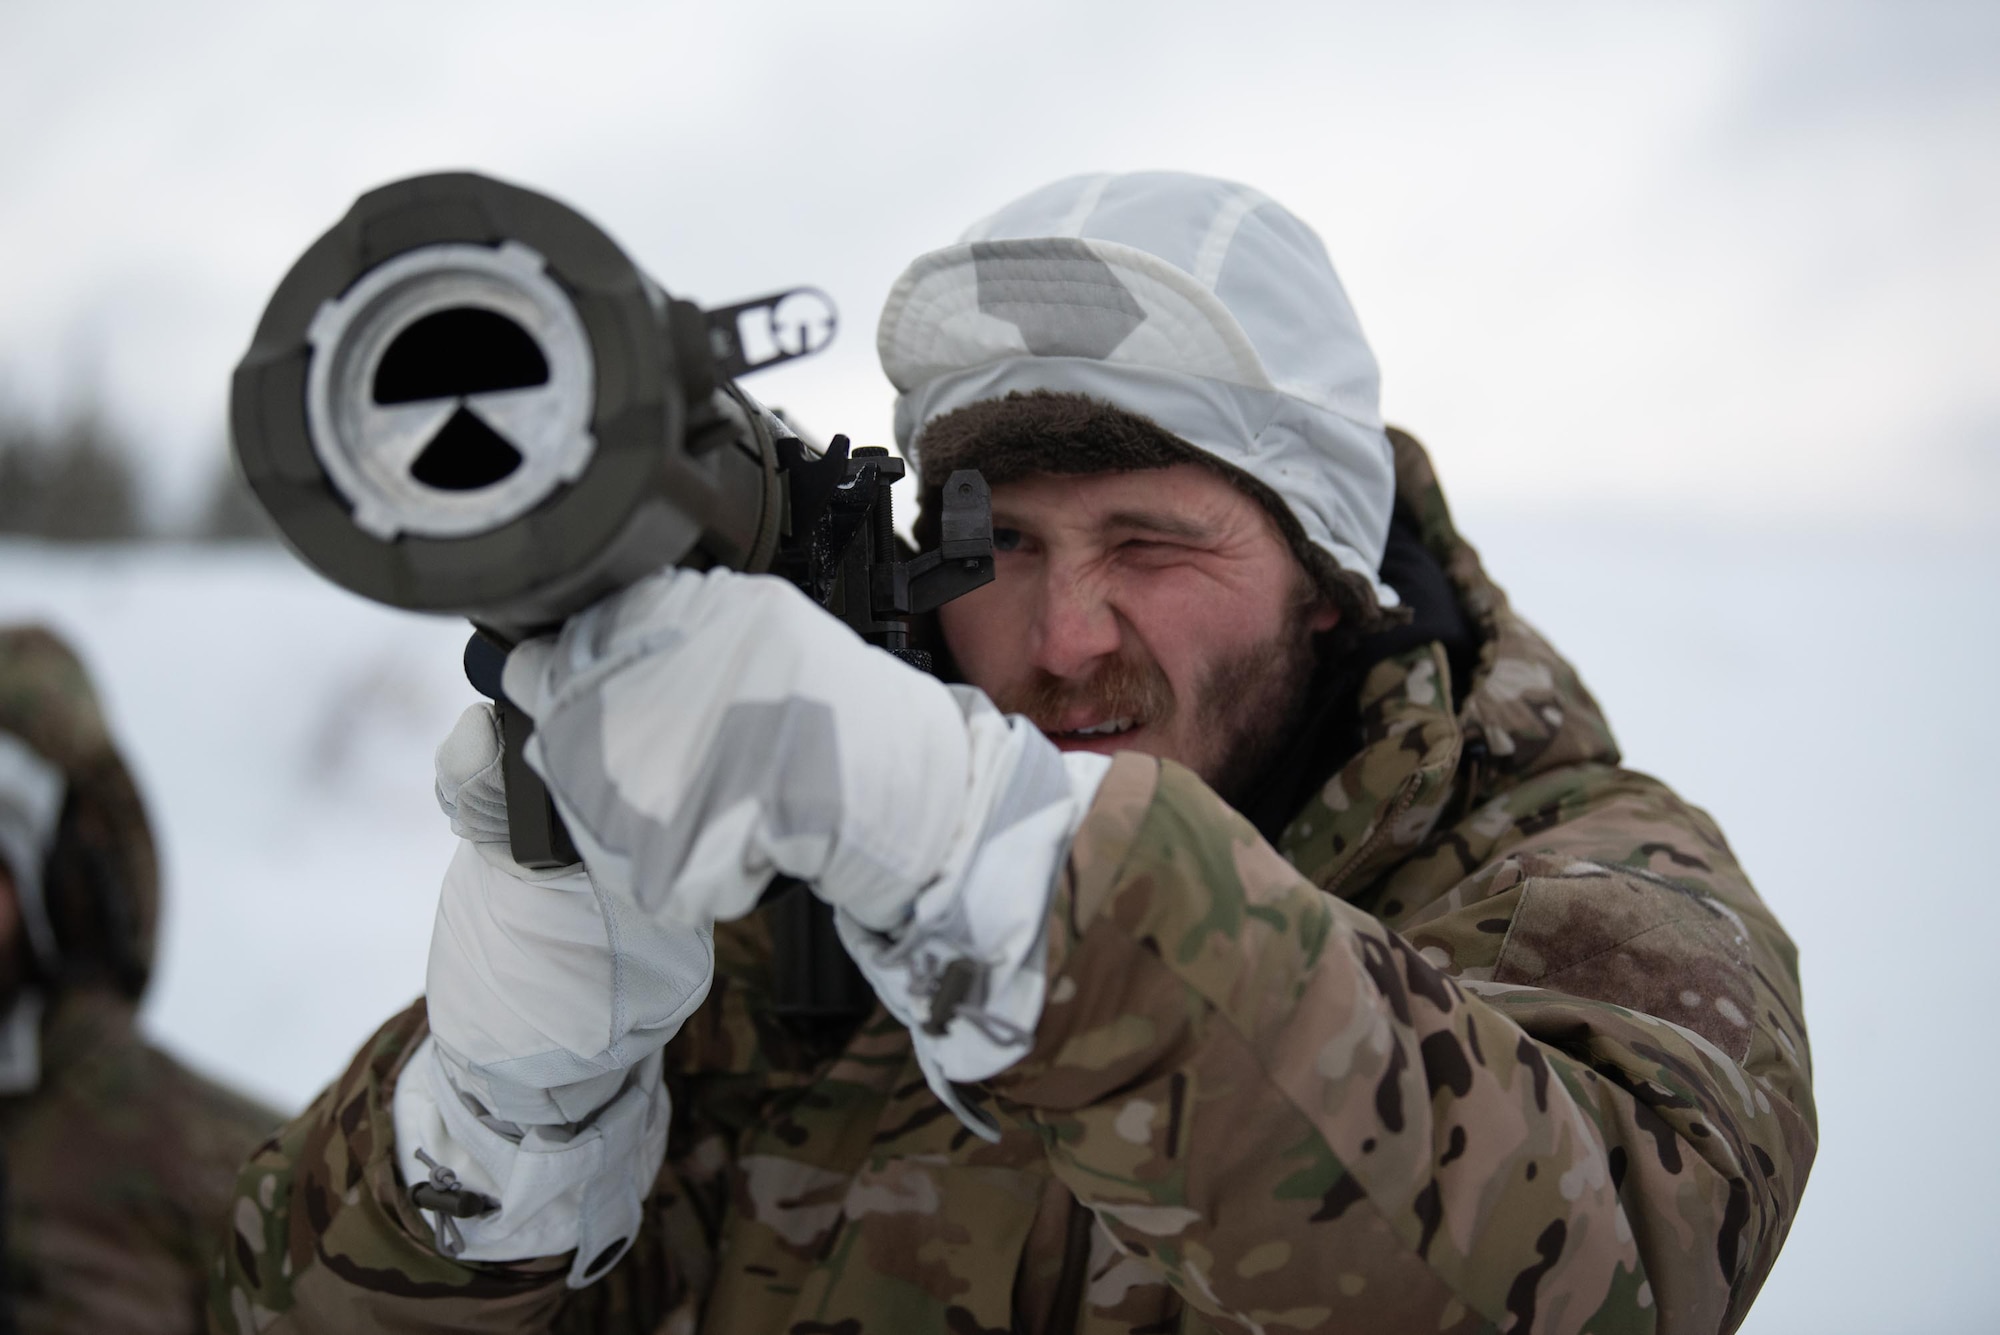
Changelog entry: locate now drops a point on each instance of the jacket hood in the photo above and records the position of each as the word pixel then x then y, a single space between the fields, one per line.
pixel 1437 716
pixel 1525 707
pixel 1196 303
pixel 99 882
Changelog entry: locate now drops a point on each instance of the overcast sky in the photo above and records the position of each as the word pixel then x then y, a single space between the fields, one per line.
pixel 1741 259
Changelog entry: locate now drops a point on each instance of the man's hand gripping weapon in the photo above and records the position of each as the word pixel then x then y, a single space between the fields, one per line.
pixel 465 398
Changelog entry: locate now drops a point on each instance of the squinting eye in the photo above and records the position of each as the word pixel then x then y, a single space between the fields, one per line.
pixel 1006 539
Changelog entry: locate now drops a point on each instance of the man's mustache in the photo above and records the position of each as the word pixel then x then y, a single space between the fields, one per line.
pixel 1121 688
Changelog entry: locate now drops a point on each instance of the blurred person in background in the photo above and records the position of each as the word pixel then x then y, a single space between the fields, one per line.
pixel 1287 949
pixel 118 1160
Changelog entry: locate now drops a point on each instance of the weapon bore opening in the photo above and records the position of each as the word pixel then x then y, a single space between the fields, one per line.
pixel 464 350
pixel 450 390
pixel 465 455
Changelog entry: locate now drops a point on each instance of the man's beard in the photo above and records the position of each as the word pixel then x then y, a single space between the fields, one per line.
pixel 1245 705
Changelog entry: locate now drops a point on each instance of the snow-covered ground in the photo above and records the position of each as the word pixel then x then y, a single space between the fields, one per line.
pixel 1824 694
pixel 281 730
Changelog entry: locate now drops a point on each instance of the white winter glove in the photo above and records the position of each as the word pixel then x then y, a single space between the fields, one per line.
pixel 704 732
pixel 550 998
pixel 470 788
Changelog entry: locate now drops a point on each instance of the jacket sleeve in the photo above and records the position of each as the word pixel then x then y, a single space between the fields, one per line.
pixel 324 1240
pixel 1307 1120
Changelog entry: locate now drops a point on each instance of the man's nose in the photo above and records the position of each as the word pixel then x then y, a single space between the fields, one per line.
pixel 1077 627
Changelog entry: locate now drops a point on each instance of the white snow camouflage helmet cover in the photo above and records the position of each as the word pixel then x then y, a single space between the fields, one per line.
pixel 1197 303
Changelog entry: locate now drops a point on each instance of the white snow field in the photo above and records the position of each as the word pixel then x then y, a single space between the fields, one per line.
pixel 1824 694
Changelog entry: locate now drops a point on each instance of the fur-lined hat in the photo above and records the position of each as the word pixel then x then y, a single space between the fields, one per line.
pixel 1110 322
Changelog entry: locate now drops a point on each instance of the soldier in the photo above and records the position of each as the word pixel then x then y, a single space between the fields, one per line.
pixel 1265 935
pixel 119 1161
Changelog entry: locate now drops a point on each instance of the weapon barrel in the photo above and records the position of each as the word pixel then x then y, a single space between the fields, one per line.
pixel 466 398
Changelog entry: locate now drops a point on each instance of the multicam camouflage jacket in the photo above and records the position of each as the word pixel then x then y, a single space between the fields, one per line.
pixel 119 1172
pixel 1497 1038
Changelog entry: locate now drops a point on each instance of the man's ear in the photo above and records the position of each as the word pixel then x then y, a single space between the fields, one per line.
pixel 1325 615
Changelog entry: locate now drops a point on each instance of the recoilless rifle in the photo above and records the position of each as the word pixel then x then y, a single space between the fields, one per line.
pixel 465 398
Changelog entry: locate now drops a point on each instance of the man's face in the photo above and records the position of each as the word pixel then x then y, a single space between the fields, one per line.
pixel 1158 611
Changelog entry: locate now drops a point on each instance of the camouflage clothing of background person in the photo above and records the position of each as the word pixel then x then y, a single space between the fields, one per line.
pixel 1491 1035
pixel 118 1159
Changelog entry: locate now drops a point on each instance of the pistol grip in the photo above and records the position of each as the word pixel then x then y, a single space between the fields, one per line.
pixel 535 829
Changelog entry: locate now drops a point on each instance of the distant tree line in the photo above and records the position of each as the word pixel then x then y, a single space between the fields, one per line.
pixel 78 480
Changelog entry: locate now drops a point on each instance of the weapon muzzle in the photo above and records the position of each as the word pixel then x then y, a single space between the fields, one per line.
pixel 466 398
